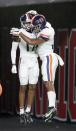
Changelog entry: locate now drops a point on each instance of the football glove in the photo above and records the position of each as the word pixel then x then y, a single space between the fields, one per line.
pixel 14 31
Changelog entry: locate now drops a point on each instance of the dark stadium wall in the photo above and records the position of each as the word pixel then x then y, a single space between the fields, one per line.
pixel 60 15
pixel 63 19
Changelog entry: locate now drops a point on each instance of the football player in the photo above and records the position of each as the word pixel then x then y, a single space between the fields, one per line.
pixel 28 66
pixel 44 33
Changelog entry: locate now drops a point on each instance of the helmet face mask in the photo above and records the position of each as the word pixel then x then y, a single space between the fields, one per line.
pixel 25 22
pixel 36 29
pixel 27 26
pixel 25 19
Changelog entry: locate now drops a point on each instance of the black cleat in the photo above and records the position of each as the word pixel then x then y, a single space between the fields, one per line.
pixel 22 119
pixel 50 114
pixel 28 117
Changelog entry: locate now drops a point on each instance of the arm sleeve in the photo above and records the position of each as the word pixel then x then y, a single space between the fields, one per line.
pixel 13 51
pixel 28 34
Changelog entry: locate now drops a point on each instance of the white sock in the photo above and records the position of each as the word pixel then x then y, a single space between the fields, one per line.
pixel 28 109
pixel 21 110
pixel 51 98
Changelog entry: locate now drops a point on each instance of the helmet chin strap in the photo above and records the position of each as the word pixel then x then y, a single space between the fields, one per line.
pixel 27 29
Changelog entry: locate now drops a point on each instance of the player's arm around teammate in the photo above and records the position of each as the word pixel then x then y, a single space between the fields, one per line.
pixel 50 61
pixel 45 41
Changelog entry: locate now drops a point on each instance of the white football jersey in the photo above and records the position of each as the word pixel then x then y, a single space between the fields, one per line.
pixel 26 49
pixel 46 48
